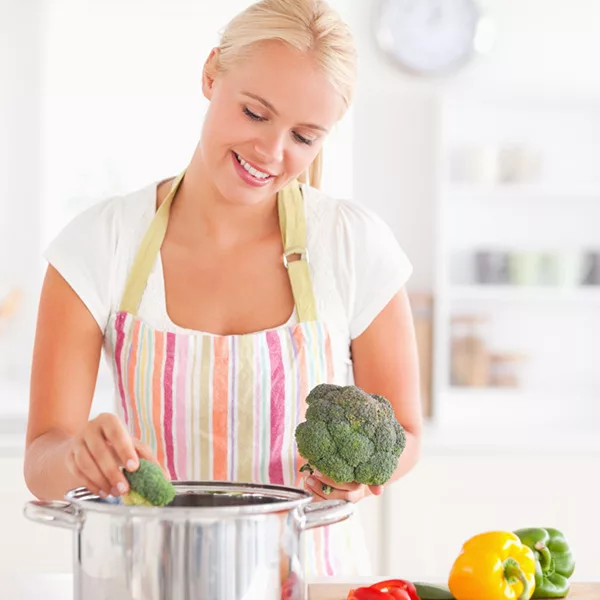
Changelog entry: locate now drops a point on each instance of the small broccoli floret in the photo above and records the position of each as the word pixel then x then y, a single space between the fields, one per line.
pixel 316 438
pixel 400 438
pixel 349 435
pixel 321 391
pixel 352 446
pixel 378 469
pixel 337 465
pixel 148 486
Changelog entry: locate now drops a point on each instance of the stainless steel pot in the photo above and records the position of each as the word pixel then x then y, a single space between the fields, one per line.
pixel 215 541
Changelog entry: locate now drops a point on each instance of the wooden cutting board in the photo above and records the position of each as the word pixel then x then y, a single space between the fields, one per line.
pixel 339 591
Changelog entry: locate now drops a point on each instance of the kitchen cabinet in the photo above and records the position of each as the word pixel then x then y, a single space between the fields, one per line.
pixel 446 499
pixel 516 257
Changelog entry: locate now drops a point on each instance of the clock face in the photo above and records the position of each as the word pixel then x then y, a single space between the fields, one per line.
pixel 428 36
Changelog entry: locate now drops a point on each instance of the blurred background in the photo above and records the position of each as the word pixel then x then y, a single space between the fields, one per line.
pixel 476 138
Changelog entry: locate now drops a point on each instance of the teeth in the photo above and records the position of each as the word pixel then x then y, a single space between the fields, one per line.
pixel 250 169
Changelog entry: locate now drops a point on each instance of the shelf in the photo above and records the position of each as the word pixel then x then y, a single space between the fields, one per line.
pixel 493 393
pixel 550 396
pixel 507 293
pixel 514 396
pixel 551 211
pixel 541 407
pixel 520 192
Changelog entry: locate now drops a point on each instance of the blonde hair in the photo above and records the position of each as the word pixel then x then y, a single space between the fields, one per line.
pixel 307 25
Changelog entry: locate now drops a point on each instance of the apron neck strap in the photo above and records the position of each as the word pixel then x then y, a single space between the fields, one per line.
pixel 148 251
pixel 290 205
pixel 292 221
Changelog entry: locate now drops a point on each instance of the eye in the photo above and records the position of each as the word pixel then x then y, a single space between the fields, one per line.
pixel 302 139
pixel 252 115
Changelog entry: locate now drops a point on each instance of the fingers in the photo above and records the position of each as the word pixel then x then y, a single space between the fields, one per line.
pixel 376 490
pixel 352 491
pixel 96 455
pixel 115 433
pixel 107 461
pixel 348 487
pixel 144 451
pixel 83 466
pixel 315 487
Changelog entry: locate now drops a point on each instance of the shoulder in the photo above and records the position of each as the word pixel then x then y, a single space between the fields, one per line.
pixel 119 212
pixel 91 250
pixel 108 222
pixel 350 224
pixel 323 209
pixel 358 250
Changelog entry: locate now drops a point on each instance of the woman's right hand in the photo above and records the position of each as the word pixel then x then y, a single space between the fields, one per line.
pixel 104 446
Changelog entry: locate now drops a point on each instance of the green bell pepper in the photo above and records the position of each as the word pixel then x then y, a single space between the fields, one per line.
pixel 554 561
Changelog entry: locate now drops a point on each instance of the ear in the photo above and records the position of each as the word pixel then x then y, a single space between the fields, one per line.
pixel 209 73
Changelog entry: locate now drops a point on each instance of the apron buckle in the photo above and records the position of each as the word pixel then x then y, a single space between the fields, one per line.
pixel 303 252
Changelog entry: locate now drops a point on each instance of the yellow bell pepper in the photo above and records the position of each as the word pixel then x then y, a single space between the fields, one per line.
pixel 493 566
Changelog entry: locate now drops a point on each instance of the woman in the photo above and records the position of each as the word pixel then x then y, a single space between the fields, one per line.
pixel 223 295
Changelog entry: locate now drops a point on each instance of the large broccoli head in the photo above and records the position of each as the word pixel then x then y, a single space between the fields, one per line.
pixel 148 486
pixel 349 435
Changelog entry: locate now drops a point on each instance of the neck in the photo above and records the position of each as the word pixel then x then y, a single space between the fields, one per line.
pixel 201 212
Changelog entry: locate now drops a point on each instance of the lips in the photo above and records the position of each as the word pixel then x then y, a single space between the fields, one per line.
pixel 242 160
pixel 249 174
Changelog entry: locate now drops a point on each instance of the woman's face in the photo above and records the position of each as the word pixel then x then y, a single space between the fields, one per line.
pixel 267 119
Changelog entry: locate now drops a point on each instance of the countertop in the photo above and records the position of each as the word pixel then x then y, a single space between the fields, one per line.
pixel 59 587
pixel 28 587
pixel 339 591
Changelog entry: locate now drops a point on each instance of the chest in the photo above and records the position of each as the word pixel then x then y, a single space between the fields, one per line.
pixel 226 292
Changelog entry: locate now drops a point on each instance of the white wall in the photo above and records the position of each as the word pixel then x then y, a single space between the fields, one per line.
pixel 544 45
pixel 540 44
pixel 94 49
pixel 127 106
pixel 101 97
pixel 20 48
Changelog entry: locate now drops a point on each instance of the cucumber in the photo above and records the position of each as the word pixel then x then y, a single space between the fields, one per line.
pixel 428 591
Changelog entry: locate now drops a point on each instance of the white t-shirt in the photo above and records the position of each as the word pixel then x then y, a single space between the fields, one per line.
pixel 356 264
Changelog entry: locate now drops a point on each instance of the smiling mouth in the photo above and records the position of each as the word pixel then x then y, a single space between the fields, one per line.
pixel 261 175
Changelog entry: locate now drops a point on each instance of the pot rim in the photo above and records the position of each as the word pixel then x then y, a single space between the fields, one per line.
pixel 290 498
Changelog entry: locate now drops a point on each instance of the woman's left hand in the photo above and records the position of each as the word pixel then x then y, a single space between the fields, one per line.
pixel 353 492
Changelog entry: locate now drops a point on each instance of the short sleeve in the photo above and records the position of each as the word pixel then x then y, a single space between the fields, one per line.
pixel 83 254
pixel 377 267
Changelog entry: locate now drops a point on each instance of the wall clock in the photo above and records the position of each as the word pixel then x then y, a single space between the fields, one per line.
pixel 430 37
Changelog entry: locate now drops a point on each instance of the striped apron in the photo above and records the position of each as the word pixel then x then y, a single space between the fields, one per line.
pixel 216 407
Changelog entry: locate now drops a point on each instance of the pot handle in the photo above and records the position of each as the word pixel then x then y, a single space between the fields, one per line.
pixel 326 512
pixel 55 513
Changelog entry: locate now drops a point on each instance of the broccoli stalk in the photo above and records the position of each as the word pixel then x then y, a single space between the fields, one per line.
pixel 148 486
pixel 350 436
pixel 327 489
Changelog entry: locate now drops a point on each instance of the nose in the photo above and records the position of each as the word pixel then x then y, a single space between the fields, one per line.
pixel 269 146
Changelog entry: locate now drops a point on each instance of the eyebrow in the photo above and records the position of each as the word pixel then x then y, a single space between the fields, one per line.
pixel 268 105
